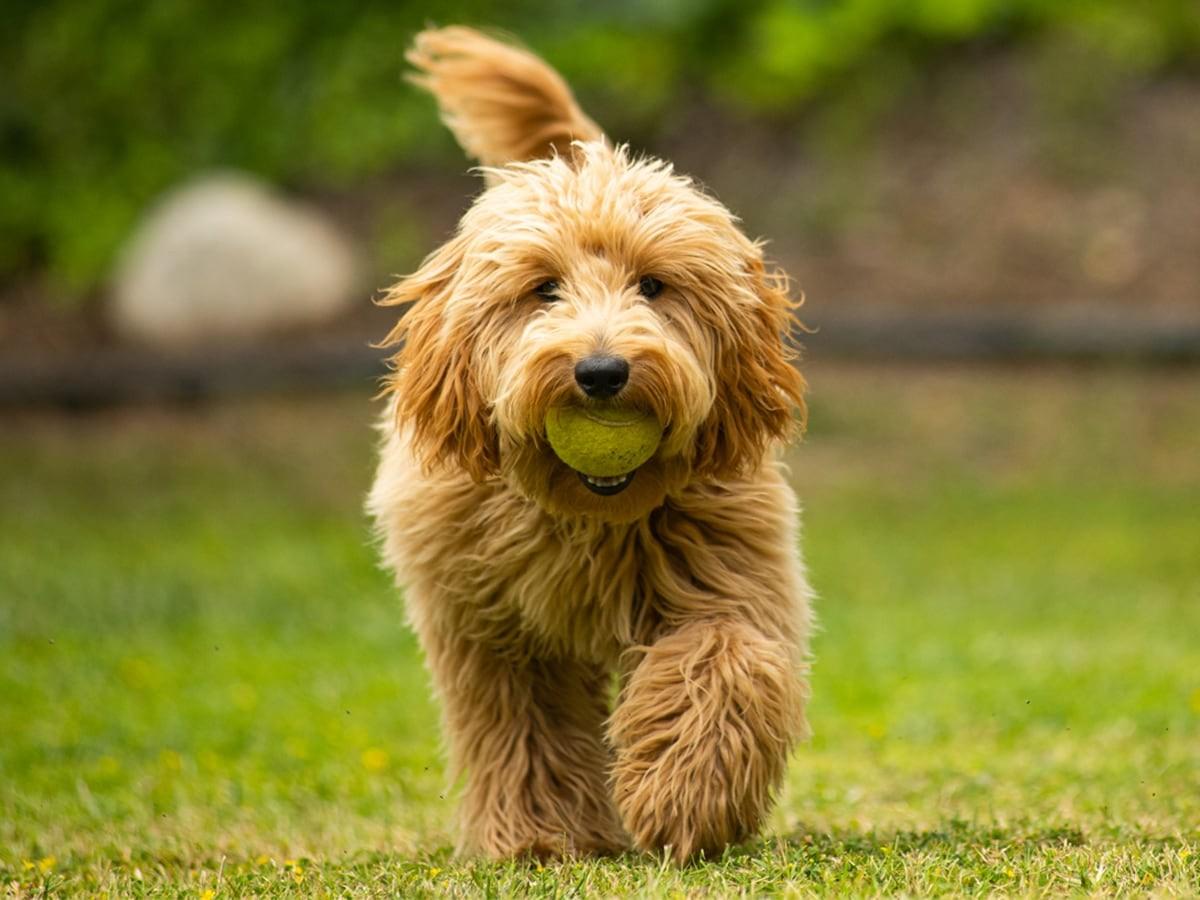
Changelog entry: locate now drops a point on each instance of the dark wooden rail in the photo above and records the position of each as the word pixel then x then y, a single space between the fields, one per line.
pixel 121 375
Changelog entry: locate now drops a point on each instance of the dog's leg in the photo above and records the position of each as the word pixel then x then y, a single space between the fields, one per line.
pixel 529 735
pixel 702 732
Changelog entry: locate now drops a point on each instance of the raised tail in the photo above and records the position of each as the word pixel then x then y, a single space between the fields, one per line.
pixel 502 103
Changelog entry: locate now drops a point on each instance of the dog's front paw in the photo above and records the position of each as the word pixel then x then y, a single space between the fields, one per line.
pixel 702 736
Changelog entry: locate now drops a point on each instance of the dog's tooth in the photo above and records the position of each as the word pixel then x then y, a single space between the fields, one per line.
pixel 608 482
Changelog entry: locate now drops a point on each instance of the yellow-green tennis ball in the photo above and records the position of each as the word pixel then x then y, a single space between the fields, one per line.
pixel 602 443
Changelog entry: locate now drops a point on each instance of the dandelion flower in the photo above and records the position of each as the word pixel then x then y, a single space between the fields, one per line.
pixel 374 759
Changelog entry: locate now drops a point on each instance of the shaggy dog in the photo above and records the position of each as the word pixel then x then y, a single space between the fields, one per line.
pixel 584 276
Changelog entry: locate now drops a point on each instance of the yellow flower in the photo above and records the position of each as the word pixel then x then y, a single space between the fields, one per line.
pixel 137 672
pixel 46 863
pixel 296 747
pixel 374 759
pixel 27 864
pixel 435 872
pixel 261 859
pixel 171 760
pixel 244 697
pixel 298 875
pixel 209 760
pixel 208 894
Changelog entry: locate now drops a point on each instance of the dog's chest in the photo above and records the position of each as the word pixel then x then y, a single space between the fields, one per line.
pixel 575 591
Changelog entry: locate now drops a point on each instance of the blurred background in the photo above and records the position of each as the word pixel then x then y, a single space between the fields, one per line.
pixel 180 170
pixel 993 207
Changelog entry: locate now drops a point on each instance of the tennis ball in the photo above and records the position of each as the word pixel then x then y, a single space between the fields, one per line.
pixel 602 443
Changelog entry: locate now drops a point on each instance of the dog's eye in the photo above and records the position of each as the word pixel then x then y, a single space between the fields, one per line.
pixel 547 290
pixel 649 286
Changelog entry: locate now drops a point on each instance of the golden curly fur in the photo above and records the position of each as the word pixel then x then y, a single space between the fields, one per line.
pixel 529 590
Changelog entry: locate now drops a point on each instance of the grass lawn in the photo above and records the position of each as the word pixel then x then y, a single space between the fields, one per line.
pixel 206 688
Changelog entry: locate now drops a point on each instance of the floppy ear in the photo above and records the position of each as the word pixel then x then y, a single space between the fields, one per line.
pixel 434 382
pixel 760 394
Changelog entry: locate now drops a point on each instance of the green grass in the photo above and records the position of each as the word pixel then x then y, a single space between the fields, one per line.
pixel 206 685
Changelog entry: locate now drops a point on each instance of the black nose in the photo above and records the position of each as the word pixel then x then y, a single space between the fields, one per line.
pixel 601 376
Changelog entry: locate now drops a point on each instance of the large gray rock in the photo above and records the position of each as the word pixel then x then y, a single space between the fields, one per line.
pixel 225 257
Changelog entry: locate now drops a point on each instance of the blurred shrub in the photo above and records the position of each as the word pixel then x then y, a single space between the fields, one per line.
pixel 107 102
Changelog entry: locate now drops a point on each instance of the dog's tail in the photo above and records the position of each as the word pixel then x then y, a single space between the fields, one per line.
pixel 502 103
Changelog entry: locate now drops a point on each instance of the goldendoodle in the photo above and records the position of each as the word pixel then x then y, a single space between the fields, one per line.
pixel 620 659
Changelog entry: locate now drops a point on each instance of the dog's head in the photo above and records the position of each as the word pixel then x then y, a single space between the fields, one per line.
pixel 593 278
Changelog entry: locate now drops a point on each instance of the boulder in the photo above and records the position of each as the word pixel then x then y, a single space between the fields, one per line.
pixel 226 257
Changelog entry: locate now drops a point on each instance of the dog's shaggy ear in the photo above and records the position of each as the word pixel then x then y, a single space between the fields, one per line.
pixel 502 103
pixel 760 394
pixel 437 397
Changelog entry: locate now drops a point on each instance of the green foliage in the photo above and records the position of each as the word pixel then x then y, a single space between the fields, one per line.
pixel 206 682
pixel 108 102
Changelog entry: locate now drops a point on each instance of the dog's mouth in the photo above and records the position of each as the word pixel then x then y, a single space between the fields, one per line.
pixel 606 487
